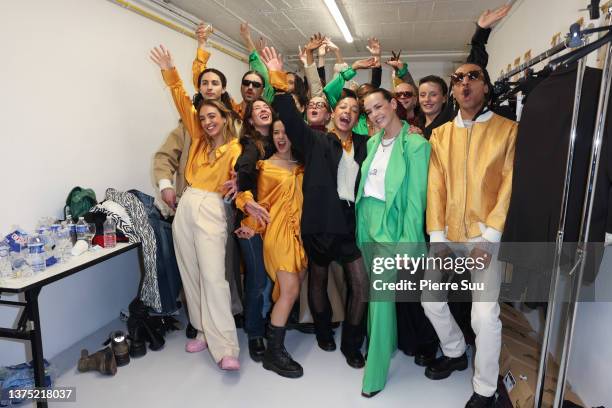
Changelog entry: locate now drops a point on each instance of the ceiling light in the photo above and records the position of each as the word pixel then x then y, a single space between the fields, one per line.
pixel 335 12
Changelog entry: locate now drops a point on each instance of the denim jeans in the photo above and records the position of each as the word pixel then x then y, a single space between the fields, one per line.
pixel 257 286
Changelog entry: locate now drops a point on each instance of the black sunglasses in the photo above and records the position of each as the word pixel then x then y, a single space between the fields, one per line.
pixel 404 94
pixel 254 84
pixel 471 76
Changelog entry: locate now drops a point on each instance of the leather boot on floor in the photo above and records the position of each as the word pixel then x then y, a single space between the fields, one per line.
pixel 257 348
pixel 119 345
pixel 102 361
pixel 443 366
pixel 480 401
pixel 276 357
pixel 352 339
pixel 190 331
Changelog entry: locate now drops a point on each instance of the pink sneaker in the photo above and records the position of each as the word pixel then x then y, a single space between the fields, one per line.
pixel 195 345
pixel 229 363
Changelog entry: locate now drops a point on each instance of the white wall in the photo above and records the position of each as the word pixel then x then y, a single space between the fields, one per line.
pixel 531 25
pixel 82 104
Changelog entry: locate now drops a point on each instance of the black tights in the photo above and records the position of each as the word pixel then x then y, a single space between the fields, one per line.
pixel 318 299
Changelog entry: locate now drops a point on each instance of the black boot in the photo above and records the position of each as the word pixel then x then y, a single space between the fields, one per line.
pixel 425 354
pixel 352 339
pixel 190 331
pixel 325 335
pixel 257 349
pixel 276 357
pixel 443 367
pixel 480 401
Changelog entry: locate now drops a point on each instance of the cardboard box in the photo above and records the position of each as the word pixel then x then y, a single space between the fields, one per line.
pixel 527 338
pixel 514 317
pixel 520 380
pixel 529 356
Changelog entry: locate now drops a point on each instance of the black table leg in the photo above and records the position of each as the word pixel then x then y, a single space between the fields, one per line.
pixel 36 340
pixel 143 271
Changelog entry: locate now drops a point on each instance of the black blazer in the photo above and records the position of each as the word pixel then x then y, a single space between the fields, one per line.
pixel 321 153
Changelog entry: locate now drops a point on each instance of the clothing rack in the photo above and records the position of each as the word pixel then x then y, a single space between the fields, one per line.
pixel 576 273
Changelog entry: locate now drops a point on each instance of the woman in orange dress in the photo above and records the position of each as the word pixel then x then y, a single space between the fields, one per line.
pixel 279 191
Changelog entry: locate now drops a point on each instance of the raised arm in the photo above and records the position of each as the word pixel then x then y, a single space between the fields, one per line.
pixel 488 18
pixel 374 48
pixel 400 70
pixel 162 57
pixel 202 56
pixel 255 62
pixel 301 135
pixel 333 89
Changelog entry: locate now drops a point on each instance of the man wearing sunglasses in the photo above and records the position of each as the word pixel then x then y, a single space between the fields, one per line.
pixel 469 186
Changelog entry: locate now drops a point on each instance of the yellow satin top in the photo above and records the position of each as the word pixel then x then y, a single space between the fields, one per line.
pixel 470 177
pixel 200 172
pixel 279 190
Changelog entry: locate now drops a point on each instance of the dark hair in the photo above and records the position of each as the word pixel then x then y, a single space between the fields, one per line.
pixel 248 131
pixel 489 96
pixel 225 97
pixel 253 72
pixel 294 152
pixel 299 89
pixel 436 80
pixel 347 93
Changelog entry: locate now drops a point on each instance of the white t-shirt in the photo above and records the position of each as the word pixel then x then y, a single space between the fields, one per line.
pixel 375 182
pixel 347 174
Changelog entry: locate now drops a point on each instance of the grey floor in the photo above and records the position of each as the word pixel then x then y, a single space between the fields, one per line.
pixel 173 378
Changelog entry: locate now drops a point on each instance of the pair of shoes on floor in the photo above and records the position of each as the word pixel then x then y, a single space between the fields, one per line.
pixel 257 349
pixel 143 329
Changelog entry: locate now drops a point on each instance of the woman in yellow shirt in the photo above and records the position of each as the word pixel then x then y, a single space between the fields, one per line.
pixel 199 227
pixel 279 190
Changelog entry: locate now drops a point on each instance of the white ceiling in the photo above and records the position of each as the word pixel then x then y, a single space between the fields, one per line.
pixel 416 26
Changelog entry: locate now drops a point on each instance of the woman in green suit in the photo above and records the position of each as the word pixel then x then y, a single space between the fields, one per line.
pixel 390 206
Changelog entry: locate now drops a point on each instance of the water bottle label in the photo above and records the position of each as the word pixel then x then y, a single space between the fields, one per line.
pixel 81 229
pixel 36 249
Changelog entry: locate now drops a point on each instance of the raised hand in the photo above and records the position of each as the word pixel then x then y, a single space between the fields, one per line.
pixel 330 44
pixel 395 62
pixel 364 63
pixel 202 32
pixel 161 56
pixel 245 34
pixel 314 42
pixel 302 55
pixel 272 59
pixel 489 18
pixel 261 44
pixel 322 49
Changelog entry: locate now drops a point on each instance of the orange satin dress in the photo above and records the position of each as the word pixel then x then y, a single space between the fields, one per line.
pixel 279 190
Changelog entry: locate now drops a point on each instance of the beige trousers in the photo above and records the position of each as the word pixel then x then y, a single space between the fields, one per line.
pixel 200 234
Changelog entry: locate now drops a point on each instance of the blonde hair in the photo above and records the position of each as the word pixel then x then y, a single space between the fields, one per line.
pixel 229 128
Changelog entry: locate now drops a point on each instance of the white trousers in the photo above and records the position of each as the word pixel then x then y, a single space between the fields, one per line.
pixel 485 321
pixel 200 233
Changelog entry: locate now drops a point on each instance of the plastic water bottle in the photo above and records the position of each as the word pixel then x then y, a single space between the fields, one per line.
pixel 36 249
pixel 63 243
pixel 81 229
pixel 110 233
pixel 72 228
pixel 6 269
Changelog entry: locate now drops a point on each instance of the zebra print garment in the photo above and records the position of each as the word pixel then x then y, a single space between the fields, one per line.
pixel 141 232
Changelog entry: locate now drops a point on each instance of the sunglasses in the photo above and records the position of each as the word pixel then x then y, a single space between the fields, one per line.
pixel 317 105
pixel 254 84
pixel 404 94
pixel 471 76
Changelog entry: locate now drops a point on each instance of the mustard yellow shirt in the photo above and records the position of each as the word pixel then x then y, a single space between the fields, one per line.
pixel 201 173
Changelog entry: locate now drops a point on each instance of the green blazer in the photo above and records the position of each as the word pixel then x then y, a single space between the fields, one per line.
pixel 405 188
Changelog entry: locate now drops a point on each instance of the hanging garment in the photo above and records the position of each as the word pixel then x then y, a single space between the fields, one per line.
pixel 149 292
pixel 539 172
